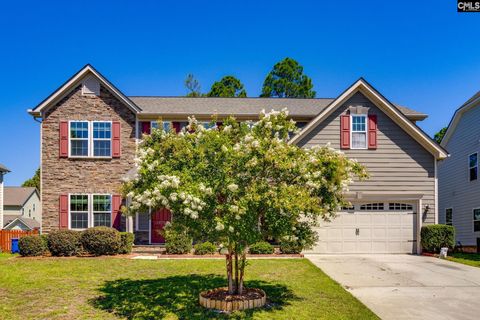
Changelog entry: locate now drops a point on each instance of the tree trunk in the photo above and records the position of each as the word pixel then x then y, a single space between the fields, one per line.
pixel 229 271
pixel 242 272
pixel 236 272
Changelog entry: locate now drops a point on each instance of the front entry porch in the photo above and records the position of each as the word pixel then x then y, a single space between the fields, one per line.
pixel 148 227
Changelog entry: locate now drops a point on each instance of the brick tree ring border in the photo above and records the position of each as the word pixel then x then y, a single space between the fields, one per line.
pixel 219 300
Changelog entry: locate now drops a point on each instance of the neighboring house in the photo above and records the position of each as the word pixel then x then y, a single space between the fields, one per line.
pixel 3 171
pixel 22 208
pixel 90 130
pixel 459 185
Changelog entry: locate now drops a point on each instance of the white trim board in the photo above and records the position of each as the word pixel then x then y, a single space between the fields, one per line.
pixel 72 83
pixel 383 104
pixel 468 105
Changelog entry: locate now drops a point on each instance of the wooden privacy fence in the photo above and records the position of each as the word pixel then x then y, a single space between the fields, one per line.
pixel 6 237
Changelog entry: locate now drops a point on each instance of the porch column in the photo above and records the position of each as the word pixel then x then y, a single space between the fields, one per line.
pixel 130 224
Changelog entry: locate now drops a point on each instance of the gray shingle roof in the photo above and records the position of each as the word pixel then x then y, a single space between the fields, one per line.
pixel 30 223
pixel 248 107
pixel 16 196
pixel 3 169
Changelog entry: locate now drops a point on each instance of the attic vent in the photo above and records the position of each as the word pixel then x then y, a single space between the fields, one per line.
pixel 91 86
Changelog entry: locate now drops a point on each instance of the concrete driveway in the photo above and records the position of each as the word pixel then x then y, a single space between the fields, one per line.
pixel 407 286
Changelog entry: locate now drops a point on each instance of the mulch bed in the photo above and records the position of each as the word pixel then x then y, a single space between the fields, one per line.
pixel 222 294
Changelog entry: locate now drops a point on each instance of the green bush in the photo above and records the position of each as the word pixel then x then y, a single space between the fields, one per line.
pixel 437 236
pixel 261 247
pixel 31 246
pixel 177 241
pixel 126 242
pixel 101 241
pixel 64 243
pixel 205 248
pixel 304 237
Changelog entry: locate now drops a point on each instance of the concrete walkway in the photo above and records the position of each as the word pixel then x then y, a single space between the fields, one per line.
pixel 407 286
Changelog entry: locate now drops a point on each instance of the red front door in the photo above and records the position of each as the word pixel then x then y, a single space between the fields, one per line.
pixel 159 219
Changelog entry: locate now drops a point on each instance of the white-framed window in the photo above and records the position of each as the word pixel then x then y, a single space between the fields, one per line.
pixel 372 207
pixel 90 210
pixel 102 138
pixel 165 125
pixel 102 210
pixel 476 219
pixel 359 131
pixel 90 139
pixel 78 211
pixel 398 206
pixel 473 166
pixel 449 216
pixel 79 139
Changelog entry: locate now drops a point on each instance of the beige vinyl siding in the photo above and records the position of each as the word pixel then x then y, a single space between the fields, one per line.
pixel 398 165
pixel 455 189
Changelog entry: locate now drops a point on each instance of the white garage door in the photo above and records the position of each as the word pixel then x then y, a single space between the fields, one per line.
pixel 370 228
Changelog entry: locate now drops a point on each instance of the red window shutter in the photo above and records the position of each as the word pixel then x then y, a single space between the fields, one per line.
pixel 63 141
pixel 345 132
pixel 116 213
pixel 372 131
pixel 176 126
pixel 116 149
pixel 146 127
pixel 63 212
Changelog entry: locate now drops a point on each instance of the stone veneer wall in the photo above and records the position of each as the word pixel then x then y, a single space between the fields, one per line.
pixel 63 175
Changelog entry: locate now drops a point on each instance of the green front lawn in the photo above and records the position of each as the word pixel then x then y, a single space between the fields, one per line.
pixel 471 259
pixel 112 288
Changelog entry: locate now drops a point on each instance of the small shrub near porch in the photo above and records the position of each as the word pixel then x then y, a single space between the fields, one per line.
pixel 437 236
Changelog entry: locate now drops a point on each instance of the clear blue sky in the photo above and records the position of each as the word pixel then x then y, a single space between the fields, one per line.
pixel 423 55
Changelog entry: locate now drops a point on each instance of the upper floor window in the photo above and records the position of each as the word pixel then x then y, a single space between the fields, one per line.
pixel 165 125
pixel 90 139
pixel 359 132
pixel 102 139
pixel 449 216
pixel 79 138
pixel 473 166
pixel 476 220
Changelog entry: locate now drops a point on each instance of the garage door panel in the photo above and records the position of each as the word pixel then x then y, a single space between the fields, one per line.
pixel 334 233
pixel 347 219
pixel 350 246
pixel 379 219
pixel 349 233
pixel 363 219
pixel 364 246
pixel 394 219
pixel 378 232
pixel 364 234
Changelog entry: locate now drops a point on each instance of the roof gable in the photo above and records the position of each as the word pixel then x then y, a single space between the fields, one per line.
pixel 471 103
pixel 73 82
pixel 18 196
pixel 383 104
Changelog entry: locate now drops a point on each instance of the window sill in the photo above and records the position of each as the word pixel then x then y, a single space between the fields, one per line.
pixel 89 158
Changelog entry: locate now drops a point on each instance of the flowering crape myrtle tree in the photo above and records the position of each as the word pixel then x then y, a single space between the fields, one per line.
pixel 239 183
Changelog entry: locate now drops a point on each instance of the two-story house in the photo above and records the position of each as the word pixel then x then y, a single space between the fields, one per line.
pixel 459 185
pixel 89 132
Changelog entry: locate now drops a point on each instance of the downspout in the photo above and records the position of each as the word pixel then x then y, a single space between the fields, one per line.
pixel 1 200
